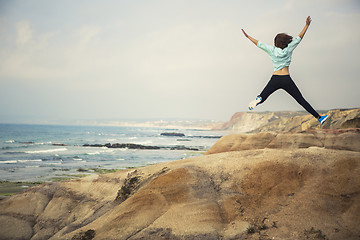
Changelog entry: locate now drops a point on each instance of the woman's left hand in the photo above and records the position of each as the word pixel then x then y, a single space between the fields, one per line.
pixel 245 33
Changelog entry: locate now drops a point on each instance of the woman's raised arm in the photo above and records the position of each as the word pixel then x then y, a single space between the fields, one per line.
pixel 308 21
pixel 251 39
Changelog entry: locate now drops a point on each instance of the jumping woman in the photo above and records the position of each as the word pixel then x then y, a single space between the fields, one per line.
pixel 281 58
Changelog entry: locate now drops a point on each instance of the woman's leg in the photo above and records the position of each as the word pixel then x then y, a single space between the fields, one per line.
pixel 272 86
pixel 290 87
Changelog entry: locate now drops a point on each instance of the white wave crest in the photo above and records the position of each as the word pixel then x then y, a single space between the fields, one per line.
pixel 21 161
pixel 9 161
pixel 92 153
pixel 54 163
pixel 34 160
pixel 48 150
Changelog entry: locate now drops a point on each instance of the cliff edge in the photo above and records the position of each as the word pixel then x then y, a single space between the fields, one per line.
pixel 256 122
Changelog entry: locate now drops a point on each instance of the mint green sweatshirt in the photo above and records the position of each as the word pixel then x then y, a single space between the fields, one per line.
pixel 280 57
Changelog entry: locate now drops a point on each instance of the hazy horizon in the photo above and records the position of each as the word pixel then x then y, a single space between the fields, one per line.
pixel 64 61
pixel 143 122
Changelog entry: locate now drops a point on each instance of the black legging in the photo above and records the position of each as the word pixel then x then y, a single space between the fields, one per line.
pixel 285 82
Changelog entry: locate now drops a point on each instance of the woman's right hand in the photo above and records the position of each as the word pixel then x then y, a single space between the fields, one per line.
pixel 302 33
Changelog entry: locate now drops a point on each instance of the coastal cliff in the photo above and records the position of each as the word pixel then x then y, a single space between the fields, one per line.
pixel 290 121
pixel 248 186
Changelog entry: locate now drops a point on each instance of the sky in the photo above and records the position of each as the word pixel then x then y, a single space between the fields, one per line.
pixel 158 59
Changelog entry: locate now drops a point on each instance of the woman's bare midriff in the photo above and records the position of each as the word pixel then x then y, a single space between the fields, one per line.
pixel 283 71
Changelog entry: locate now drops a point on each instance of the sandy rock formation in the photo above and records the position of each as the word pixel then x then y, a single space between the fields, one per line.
pixel 250 121
pixel 341 139
pixel 291 121
pixel 282 189
pixel 338 119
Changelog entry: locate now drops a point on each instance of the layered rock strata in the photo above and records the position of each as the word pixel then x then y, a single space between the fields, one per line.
pixel 291 121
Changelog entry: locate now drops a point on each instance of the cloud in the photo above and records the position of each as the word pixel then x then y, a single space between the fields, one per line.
pixel 46 55
pixel 24 33
pixel 86 34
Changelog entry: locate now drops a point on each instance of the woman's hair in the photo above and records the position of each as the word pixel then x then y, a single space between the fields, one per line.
pixel 282 40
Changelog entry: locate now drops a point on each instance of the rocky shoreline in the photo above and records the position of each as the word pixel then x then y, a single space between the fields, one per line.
pixel 248 186
pixel 292 180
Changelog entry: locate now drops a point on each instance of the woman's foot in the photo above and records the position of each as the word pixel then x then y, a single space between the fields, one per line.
pixel 255 102
pixel 322 119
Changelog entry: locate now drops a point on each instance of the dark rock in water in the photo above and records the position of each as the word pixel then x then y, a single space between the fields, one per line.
pixel 122 145
pixel 138 146
pixel 59 144
pixel 172 134
pixel 27 142
pixel 94 145
pixel 131 146
pixel 206 136
pixel 183 148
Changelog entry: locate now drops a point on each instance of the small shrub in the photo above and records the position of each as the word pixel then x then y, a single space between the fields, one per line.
pixel 251 230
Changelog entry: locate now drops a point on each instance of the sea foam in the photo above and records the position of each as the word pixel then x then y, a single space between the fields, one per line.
pixel 21 161
pixel 34 160
pixel 48 150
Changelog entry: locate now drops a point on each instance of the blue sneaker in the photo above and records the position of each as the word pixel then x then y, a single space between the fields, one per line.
pixel 254 103
pixel 322 119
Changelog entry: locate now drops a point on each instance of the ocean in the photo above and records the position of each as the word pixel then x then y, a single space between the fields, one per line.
pixel 52 152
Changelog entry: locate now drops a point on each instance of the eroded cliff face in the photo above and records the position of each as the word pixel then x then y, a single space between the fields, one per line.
pixel 249 121
pixel 284 186
pixel 340 139
pixel 291 121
